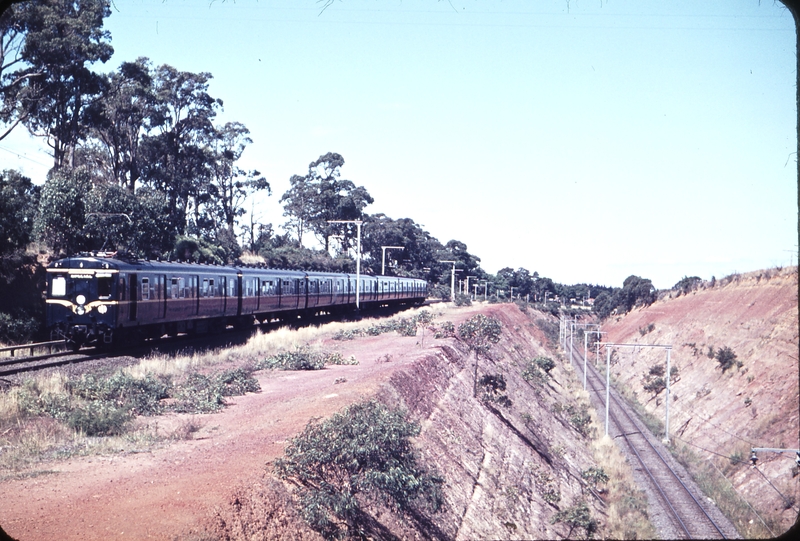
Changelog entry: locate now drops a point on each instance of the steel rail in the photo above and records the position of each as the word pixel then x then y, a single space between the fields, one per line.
pixel 596 377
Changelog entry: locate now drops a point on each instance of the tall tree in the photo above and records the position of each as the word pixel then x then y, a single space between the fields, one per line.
pixel 177 159
pixel 297 205
pixel 18 201
pixel 63 37
pixel 13 26
pixel 120 120
pixel 320 196
pixel 419 247
pixel 230 185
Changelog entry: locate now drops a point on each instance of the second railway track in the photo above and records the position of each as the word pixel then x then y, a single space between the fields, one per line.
pixel 678 509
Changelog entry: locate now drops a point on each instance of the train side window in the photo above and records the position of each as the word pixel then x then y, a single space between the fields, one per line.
pixel 174 288
pixel 121 288
pixel 204 291
pixel 145 289
pixel 211 289
pixel 59 286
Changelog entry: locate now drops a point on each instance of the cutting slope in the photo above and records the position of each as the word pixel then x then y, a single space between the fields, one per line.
pixel 752 405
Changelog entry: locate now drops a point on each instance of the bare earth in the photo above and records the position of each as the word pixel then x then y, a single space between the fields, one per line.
pixel 172 490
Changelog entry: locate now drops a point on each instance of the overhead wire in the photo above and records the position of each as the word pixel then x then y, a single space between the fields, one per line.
pixel 737 461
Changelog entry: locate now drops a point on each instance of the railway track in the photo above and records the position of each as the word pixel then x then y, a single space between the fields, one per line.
pixel 677 507
pixel 15 361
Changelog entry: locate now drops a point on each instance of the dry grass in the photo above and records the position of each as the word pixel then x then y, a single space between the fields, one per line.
pixel 627 505
pixel 27 440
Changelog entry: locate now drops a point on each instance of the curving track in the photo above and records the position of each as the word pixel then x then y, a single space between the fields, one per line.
pixel 677 508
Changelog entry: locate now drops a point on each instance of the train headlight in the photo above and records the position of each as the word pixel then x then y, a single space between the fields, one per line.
pixel 80 299
pixel 80 311
pixel 102 308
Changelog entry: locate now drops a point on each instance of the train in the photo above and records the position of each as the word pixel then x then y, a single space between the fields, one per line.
pixel 104 299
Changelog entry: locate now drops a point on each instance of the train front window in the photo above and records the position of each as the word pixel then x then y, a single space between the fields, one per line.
pixel 104 288
pixel 59 286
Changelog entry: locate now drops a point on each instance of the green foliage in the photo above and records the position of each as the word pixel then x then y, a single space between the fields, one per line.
pixel 647 329
pixel 538 369
pixel 578 417
pixel 635 291
pixel 64 44
pixel 547 487
pixel 18 201
pixel 595 476
pixel 321 195
pixel 97 418
pixel 198 250
pixel 138 396
pixel 727 358
pixel 480 332
pixel 463 300
pixel 103 406
pixel 365 450
pixel 491 387
pixel 577 516
pixel 687 284
pixel 62 211
pixel 404 326
pixel 17 329
pixel 545 363
pixel 200 393
pixel 302 358
pixel 445 330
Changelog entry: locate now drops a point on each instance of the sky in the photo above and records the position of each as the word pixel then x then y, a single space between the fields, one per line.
pixel 584 140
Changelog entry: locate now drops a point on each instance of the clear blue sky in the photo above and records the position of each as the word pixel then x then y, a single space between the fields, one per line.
pixel 585 140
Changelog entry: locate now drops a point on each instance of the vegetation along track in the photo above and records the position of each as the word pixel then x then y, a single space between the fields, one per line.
pixel 683 513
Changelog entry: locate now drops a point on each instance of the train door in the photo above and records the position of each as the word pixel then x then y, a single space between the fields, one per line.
pixel 134 296
pixel 195 284
pixel 223 287
pixel 161 296
pixel 239 294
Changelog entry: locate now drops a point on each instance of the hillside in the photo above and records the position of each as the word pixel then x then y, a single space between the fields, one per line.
pixel 512 458
pixel 754 404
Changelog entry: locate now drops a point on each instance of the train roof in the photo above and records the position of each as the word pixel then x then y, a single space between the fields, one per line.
pixel 113 261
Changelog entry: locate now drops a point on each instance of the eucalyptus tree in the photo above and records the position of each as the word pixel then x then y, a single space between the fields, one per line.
pixel 121 118
pixel 177 156
pixel 419 247
pixel 229 184
pixel 13 27
pixel 322 195
pixel 18 201
pixel 53 88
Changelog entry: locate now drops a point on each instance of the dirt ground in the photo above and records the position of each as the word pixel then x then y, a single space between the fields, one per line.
pixel 172 491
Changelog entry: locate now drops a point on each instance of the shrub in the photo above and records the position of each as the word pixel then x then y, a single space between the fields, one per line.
pixel 595 476
pixel 463 300
pixel 199 394
pixel 139 396
pixel 364 449
pixel 545 363
pixel 98 418
pixel 577 516
pixel 302 358
pixel 726 358
pixel 237 382
pixel 446 330
pixel 491 388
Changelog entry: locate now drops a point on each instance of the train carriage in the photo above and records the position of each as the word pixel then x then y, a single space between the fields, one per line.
pixel 98 299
